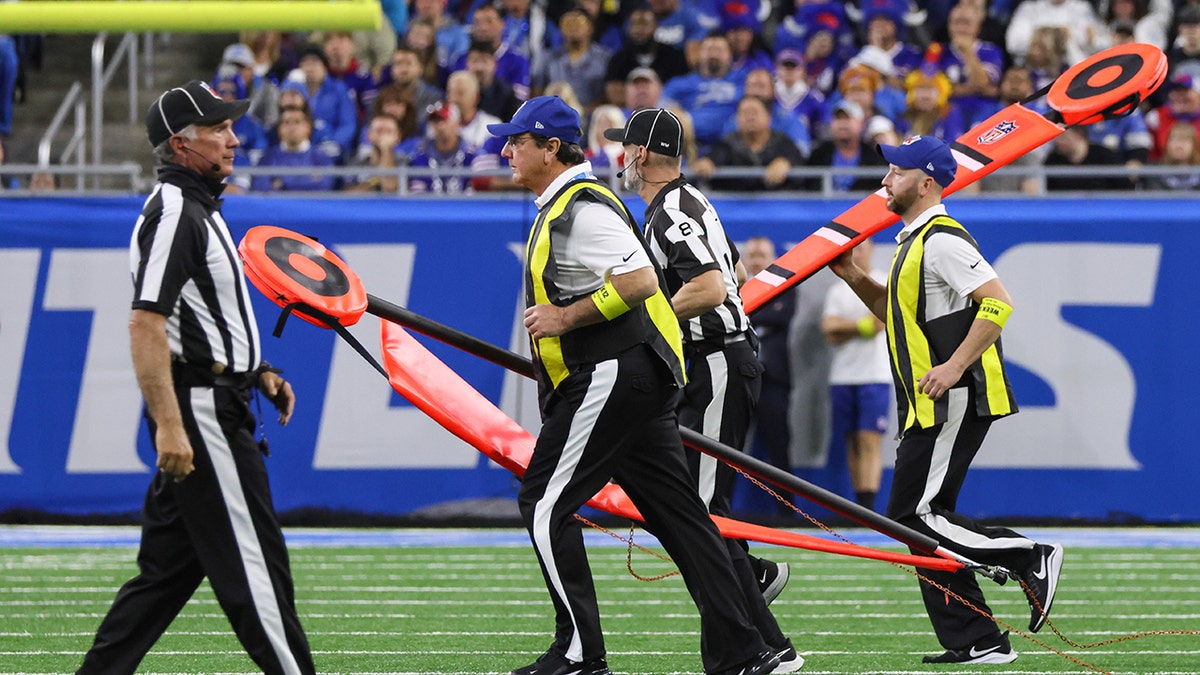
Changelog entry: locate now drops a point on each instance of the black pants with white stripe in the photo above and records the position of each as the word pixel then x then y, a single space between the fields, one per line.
pixel 618 421
pixel 931 465
pixel 718 402
pixel 217 523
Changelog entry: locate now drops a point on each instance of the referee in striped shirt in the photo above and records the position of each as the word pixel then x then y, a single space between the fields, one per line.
pixel 208 510
pixel 702 273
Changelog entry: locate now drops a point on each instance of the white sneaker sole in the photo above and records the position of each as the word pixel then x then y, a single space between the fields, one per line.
pixel 789 666
pixel 993 658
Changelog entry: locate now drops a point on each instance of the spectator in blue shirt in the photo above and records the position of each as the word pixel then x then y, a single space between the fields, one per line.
pixel 252 137
pixel 450 36
pixel 8 82
pixel 681 26
pixel 335 120
pixel 1128 136
pixel 295 149
pixel 528 31
pixel 822 63
pixel 710 94
pixel 884 29
pixel 579 61
pixel 238 60
pixel 743 30
pixel 973 66
pixel 487 27
pixel 811 19
pixel 443 148
pixel 794 95
pixel 344 65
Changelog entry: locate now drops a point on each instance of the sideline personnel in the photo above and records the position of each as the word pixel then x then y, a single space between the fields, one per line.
pixel 944 308
pixel 609 362
pixel 724 377
pixel 208 510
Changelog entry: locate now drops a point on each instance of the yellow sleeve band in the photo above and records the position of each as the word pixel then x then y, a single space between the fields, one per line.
pixel 994 310
pixel 610 304
pixel 866 326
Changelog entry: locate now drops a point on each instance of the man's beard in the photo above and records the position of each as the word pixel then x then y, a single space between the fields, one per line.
pixel 631 180
pixel 899 204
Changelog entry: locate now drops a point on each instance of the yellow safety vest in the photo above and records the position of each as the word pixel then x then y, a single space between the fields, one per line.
pixel 917 344
pixel 652 322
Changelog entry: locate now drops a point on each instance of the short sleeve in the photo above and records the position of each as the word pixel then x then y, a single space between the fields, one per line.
pixel 957 262
pixel 605 244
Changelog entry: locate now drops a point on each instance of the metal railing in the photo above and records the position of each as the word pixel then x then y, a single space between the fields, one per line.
pixel 126 51
pixel 130 171
pixel 502 188
pixel 825 175
pixel 74 147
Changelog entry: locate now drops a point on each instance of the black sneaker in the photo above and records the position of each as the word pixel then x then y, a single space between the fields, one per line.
pixel 764 662
pixel 1042 580
pixel 774 578
pixel 553 663
pixel 987 651
pixel 789 660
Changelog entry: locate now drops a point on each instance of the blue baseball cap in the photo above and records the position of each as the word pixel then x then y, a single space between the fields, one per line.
pixel 547 116
pixel 926 153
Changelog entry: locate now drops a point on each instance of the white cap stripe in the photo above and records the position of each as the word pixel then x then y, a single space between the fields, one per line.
pixel 194 104
pixel 162 114
pixel 654 123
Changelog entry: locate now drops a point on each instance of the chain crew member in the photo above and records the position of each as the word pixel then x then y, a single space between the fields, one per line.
pixel 609 361
pixel 944 308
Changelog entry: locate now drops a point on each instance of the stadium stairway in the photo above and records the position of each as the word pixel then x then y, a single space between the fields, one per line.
pixel 178 57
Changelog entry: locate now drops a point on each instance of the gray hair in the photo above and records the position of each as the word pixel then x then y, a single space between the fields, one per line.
pixel 163 152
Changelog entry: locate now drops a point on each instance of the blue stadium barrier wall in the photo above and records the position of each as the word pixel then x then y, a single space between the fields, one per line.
pixel 1102 345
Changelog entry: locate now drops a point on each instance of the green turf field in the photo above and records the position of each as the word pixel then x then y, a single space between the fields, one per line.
pixel 484 610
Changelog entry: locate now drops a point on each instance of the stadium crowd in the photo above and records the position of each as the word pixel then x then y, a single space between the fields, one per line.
pixel 764 84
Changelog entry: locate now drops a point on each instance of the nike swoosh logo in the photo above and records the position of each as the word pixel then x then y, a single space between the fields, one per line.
pixel 763 580
pixel 976 263
pixel 625 259
pixel 974 653
pixel 1040 574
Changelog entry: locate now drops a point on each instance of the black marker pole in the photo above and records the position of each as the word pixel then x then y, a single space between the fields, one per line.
pixel 751 465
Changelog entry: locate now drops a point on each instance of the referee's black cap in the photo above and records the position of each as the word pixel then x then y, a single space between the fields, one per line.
pixel 657 129
pixel 193 103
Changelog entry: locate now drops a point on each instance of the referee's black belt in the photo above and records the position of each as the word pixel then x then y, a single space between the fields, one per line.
pixel 694 348
pixel 188 374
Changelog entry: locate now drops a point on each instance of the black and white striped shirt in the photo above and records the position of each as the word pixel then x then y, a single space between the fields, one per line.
pixel 186 267
pixel 687 239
